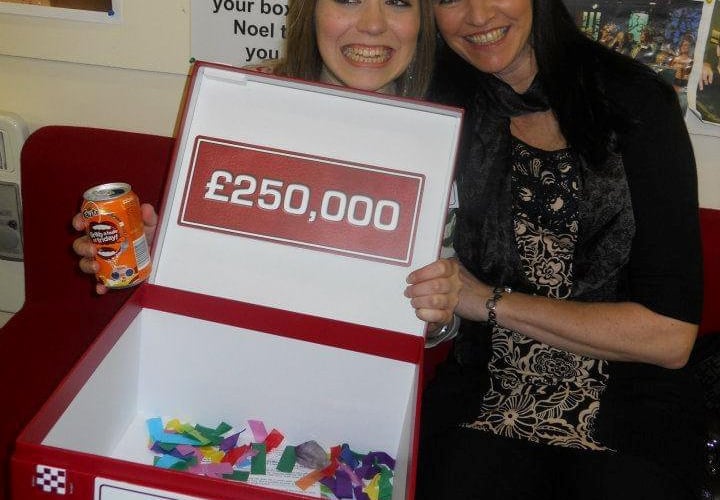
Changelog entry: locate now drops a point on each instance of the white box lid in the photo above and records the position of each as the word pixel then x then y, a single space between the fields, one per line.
pixel 309 198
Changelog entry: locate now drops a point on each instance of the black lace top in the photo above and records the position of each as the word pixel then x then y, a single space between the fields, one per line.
pixel 538 392
pixel 638 241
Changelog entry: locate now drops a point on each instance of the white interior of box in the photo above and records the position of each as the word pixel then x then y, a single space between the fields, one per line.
pixel 311 120
pixel 172 366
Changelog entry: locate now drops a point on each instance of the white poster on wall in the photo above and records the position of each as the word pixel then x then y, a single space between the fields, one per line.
pixel 237 32
pixel 704 91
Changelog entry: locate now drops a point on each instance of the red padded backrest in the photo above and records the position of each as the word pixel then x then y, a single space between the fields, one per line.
pixel 62 314
pixel 57 165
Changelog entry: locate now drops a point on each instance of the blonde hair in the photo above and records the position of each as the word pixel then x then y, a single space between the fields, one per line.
pixel 302 57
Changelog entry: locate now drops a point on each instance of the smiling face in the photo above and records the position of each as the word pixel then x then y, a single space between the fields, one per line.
pixel 366 44
pixel 492 35
pixel 684 47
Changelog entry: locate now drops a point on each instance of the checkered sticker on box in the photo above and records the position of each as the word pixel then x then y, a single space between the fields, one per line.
pixel 51 479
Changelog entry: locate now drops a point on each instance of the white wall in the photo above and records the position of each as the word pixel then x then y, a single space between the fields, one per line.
pixel 51 93
pixel 130 75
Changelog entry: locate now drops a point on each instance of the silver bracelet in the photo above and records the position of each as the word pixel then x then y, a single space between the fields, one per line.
pixel 447 332
pixel 491 303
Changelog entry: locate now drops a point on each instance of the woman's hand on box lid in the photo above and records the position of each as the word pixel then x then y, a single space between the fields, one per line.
pixel 434 292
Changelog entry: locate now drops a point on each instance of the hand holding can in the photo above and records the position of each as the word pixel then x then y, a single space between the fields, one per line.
pixel 114 225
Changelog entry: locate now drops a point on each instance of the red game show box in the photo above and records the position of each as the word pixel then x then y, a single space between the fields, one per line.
pixel 292 215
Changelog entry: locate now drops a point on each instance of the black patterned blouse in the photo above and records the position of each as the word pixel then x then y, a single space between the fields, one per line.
pixel 538 392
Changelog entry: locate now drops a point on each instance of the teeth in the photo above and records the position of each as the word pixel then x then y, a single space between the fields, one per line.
pixel 367 54
pixel 488 37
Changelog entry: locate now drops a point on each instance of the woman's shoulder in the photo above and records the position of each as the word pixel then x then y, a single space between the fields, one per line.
pixel 634 84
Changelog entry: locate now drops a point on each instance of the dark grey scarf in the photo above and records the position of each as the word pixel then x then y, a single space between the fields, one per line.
pixel 484 236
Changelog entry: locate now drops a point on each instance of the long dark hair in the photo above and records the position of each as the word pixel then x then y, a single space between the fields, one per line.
pixel 582 78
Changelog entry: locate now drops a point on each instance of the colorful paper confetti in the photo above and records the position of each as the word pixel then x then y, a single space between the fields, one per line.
pixel 337 473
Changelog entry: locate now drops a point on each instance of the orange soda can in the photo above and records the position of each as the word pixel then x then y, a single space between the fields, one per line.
pixel 114 224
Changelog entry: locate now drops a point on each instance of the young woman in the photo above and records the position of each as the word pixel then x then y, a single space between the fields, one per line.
pixel 577 231
pixel 373 45
pixel 376 45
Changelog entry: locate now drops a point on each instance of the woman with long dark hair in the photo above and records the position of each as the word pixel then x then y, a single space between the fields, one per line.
pixel 578 235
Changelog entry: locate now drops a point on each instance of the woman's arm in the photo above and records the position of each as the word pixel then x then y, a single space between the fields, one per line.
pixel 657 323
pixel 706 75
pixel 625 331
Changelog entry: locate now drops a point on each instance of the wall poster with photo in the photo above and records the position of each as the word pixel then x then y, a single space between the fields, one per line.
pixel 104 11
pixel 704 99
pixel 93 5
pixel 662 34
